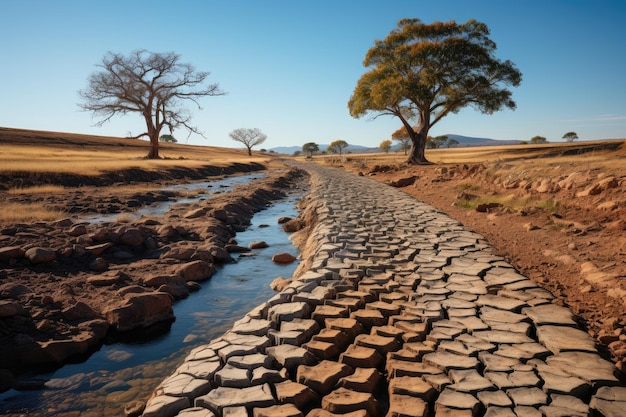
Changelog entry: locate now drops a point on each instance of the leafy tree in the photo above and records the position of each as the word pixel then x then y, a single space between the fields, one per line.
pixel 538 139
pixel 337 146
pixel 402 136
pixel 427 71
pixel 310 148
pixel 167 138
pixel 153 85
pixel 385 145
pixel 570 136
pixel 249 137
pixel 436 142
pixel 297 153
pixel 451 143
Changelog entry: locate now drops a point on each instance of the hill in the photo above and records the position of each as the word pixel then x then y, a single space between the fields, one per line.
pixel 464 142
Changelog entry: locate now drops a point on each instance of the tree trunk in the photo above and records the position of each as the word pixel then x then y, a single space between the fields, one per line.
pixel 154 148
pixel 249 151
pixel 418 145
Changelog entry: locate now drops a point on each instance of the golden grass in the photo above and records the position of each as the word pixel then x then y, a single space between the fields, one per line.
pixel 39 151
pixel 26 213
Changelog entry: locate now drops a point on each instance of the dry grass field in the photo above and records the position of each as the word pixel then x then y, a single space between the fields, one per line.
pixel 53 152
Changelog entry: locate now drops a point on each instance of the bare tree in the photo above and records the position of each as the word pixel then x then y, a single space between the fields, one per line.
pixel 249 137
pixel 155 85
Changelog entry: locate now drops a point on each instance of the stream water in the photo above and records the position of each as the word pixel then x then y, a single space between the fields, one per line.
pixel 127 370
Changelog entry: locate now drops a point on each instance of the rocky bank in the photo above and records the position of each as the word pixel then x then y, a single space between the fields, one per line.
pixel 67 285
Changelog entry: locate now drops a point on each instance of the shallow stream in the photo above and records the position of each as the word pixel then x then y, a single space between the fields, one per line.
pixel 124 371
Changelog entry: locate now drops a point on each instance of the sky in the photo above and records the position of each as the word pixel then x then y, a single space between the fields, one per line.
pixel 289 67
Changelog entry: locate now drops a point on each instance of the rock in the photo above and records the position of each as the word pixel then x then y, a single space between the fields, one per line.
pixel 167 231
pixel 196 271
pixel 131 237
pixel 77 230
pixel 38 255
pixel 134 408
pixel 283 258
pixel 13 290
pixel 322 377
pixel 165 406
pixel 106 279
pixel 293 225
pixel 98 264
pixel 283 220
pixel 232 248
pixel 403 182
pixel 222 397
pixel 196 213
pixel 78 311
pixel 487 207
pixel 258 245
pixel 343 401
pixel 10 252
pixel 140 310
pixel 99 249
pixel 294 393
pixel 10 309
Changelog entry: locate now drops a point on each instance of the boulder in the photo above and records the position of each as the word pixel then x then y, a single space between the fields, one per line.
pixel 140 310
pixel 78 311
pixel 38 255
pixel 403 182
pixel 10 252
pixel 10 309
pixel 131 237
pixel 283 258
pixel 77 230
pixel 258 245
pixel 196 271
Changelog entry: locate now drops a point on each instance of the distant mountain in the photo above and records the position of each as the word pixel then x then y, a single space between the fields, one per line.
pixel 464 142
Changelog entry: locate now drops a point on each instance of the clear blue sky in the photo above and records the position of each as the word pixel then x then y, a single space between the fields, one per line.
pixel 290 66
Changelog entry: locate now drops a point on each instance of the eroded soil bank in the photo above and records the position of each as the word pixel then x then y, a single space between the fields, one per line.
pixel 67 285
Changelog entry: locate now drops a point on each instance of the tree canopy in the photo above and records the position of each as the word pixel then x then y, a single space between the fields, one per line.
pixel 385 145
pixel 337 146
pixel 154 85
pixel 249 137
pixel 402 136
pixel 310 148
pixel 421 73
pixel 570 136
pixel 538 139
pixel 167 138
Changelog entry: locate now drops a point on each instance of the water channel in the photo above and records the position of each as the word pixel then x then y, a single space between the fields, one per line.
pixel 124 371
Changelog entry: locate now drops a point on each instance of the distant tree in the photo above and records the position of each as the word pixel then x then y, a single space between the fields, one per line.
pixel 427 71
pixel 297 153
pixel 385 145
pixel 337 146
pixel 538 139
pixel 151 84
pixel 402 136
pixel 310 148
pixel 451 143
pixel 167 138
pixel 249 137
pixel 436 142
pixel 570 136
